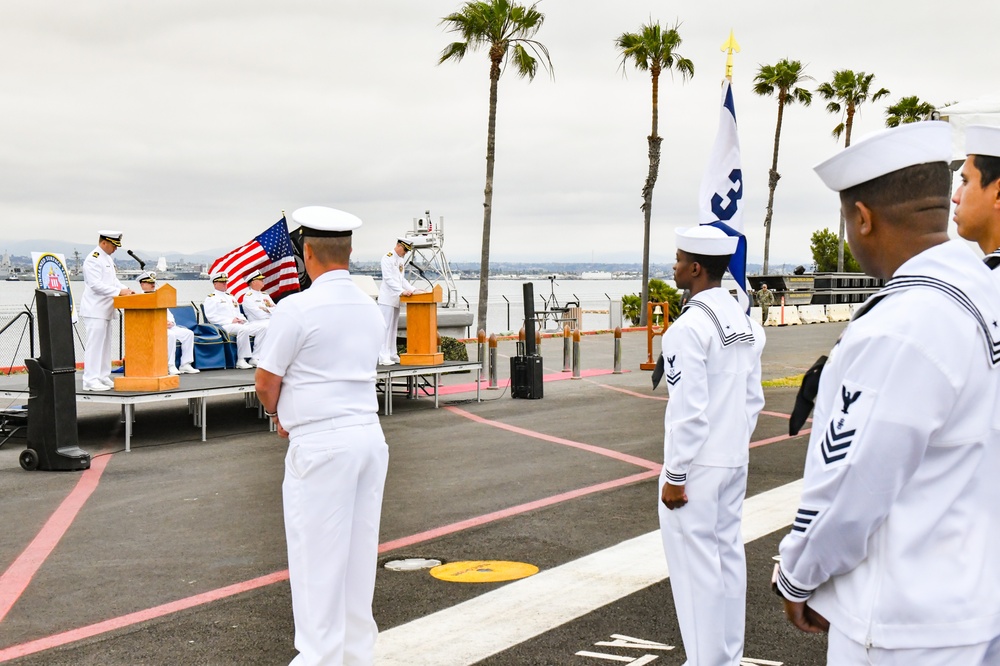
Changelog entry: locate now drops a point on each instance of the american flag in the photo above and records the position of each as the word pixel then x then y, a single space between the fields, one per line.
pixel 270 253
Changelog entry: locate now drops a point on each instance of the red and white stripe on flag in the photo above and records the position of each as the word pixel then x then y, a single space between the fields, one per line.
pixel 271 254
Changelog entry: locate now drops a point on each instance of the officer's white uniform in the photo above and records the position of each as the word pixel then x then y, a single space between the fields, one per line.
pixel 896 538
pixel 183 335
pixel 257 306
pixel 324 344
pixel 221 309
pixel 96 310
pixel 713 375
pixel 394 283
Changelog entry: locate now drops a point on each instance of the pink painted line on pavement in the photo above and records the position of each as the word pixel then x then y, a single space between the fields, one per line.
pixel 779 438
pixel 512 511
pixel 89 631
pixel 599 450
pixel 555 377
pixel 631 393
pixel 18 575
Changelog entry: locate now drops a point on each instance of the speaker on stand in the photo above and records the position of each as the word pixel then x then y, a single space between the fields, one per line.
pixel 53 441
pixel 526 366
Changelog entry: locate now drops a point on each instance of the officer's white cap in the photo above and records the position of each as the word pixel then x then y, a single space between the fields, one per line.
pixel 407 243
pixel 220 276
pixel 146 276
pixel 323 221
pixel 256 275
pixel 982 140
pixel 707 240
pixel 111 235
pixel 884 152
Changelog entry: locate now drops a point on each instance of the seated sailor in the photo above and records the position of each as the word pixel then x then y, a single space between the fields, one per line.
pixel 222 310
pixel 175 334
pixel 256 303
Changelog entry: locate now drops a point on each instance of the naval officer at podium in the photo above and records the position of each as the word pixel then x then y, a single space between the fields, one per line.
pixel 97 307
pixel 316 380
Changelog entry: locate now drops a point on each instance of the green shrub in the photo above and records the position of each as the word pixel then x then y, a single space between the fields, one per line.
pixel 659 292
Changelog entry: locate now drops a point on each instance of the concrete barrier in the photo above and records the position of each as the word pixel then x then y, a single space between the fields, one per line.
pixel 812 314
pixel 755 314
pixel 791 315
pixel 773 316
pixel 838 312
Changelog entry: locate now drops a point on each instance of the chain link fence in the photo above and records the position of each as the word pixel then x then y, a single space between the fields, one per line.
pixel 19 337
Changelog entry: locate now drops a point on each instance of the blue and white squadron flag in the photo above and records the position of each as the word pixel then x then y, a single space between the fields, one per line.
pixel 720 199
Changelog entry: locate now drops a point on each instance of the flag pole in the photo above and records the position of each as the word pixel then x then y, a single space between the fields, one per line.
pixel 729 46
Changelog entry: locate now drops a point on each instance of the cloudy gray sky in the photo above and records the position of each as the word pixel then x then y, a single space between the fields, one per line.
pixel 191 124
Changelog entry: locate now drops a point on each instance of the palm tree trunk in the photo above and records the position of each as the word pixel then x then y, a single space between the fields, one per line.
pixel 772 183
pixel 647 195
pixel 484 262
pixel 848 124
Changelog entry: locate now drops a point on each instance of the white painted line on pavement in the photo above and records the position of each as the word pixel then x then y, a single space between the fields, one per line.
pixel 492 622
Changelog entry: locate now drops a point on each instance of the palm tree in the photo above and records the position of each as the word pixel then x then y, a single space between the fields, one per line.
pixel 847 91
pixel 504 29
pixel 781 77
pixel 908 110
pixel 652 49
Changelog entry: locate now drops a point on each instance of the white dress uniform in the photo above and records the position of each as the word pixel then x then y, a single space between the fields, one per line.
pixel 180 334
pixel 713 374
pixel 896 538
pixel 324 344
pixel 257 305
pixel 96 310
pixel 221 309
pixel 393 285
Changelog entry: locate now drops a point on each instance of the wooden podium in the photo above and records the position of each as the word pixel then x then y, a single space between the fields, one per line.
pixel 146 341
pixel 422 329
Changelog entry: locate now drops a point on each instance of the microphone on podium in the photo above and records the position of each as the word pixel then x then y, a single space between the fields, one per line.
pixel 142 264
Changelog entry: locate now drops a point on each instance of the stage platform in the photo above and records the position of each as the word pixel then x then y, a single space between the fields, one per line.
pixel 196 389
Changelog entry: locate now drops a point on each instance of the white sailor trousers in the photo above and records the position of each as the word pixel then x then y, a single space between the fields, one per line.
pixel 243 333
pixel 332 495
pixel 842 651
pixel 389 351
pixel 185 336
pixel 707 563
pixel 97 355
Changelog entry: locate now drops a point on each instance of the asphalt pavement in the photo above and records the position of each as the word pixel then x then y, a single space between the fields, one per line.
pixel 174 553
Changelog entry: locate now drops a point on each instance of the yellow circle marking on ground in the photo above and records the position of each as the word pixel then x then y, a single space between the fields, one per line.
pixel 483 571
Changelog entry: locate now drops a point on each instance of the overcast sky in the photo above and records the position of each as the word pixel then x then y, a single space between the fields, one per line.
pixel 191 124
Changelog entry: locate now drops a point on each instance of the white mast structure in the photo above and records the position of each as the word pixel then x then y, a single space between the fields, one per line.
pixel 426 263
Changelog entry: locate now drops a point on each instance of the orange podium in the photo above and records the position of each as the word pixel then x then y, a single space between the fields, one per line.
pixel 146 341
pixel 422 329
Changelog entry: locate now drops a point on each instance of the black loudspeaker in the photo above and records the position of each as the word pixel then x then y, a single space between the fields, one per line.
pixel 529 319
pixel 53 441
pixel 526 377
pixel 55 330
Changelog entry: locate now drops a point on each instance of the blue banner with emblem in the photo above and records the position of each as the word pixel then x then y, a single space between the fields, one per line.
pixel 720 200
pixel 51 273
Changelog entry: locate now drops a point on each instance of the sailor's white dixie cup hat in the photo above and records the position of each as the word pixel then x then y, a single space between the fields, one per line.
pixel 706 240
pixel 112 236
pixel 883 152
pixel 982 140
pixel 323 222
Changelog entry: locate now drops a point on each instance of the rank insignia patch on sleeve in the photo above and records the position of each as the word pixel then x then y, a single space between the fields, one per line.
pixel 854 405
pixel 673 374
pixel 804 518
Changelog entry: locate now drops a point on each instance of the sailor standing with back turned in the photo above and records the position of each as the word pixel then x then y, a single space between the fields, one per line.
pixel 712 358
pixel 894 546
pixel 316 380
